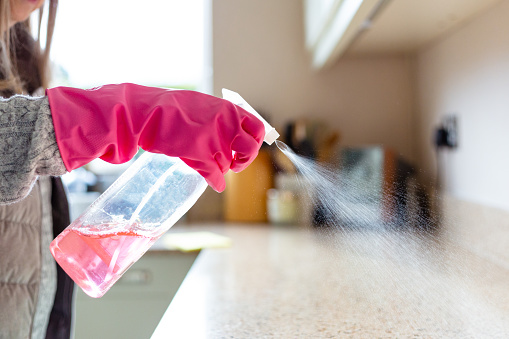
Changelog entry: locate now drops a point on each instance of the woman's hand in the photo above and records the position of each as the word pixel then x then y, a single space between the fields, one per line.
pixel 110 122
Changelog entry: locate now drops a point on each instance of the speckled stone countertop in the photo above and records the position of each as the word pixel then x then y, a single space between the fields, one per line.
pixel 295 282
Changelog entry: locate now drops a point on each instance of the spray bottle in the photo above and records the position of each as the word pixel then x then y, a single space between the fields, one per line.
pixel 97 248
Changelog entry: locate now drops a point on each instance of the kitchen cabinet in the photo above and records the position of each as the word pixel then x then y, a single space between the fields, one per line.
pixel 331 25
pixel 133 307
pixel 372 27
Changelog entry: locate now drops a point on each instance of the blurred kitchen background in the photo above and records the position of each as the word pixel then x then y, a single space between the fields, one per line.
pixel 408 97
pixel 422 83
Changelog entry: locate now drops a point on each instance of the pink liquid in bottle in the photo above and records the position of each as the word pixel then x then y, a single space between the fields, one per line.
pixel 96 261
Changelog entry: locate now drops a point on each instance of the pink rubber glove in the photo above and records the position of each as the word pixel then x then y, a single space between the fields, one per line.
pixel 111 121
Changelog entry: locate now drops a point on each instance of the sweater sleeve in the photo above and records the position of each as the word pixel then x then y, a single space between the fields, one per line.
pixel 28 147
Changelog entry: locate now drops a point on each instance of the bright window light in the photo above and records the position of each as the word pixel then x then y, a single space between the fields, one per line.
pixel 150 42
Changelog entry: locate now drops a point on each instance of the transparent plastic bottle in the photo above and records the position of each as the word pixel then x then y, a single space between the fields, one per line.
pixel 139 207
pixel 122 224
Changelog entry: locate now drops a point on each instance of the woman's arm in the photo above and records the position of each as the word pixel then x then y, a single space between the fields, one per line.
pixel 28 146
pixel 111 122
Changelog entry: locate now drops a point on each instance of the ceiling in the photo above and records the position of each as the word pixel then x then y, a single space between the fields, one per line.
pixel 405 26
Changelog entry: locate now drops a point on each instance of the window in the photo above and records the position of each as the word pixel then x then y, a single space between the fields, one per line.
pixel 151 42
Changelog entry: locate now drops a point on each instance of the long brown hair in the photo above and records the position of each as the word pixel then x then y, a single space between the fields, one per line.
pixel 24 62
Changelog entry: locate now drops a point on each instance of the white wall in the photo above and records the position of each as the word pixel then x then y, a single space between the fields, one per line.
pixel 259 51
pixel 467 73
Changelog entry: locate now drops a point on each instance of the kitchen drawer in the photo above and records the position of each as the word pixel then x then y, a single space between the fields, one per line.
pixel 133 307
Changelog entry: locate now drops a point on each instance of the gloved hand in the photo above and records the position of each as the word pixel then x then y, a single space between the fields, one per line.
pixel 111 121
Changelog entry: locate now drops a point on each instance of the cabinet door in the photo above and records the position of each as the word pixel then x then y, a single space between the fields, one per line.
pixel 133 307
pixel 332 25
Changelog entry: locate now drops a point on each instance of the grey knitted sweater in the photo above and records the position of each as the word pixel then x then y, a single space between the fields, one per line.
pixel 28 147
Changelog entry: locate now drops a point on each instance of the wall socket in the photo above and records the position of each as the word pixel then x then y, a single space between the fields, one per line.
pixel 446 135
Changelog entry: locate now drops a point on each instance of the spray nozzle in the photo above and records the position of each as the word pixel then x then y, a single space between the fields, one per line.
pixel 270 132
